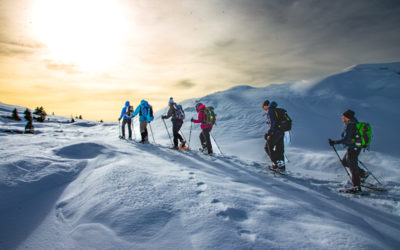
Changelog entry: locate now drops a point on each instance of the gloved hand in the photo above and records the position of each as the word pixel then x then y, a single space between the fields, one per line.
pixel 331 142
pixel 119 119
pixel 192 120
pixel 266 136
pixel 163 117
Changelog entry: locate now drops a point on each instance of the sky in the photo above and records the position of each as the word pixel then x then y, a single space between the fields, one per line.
pixel 87 57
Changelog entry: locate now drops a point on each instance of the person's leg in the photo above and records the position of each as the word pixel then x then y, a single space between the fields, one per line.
pixel 208 140
pixel 123 127
pixel 352 163
pixel 203 140
pixel 272 149
pixel 280 150
pixel 129 122
pixel 143 130
pixel 176 126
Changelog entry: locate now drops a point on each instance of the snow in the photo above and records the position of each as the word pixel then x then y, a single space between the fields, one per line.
pixel 77 186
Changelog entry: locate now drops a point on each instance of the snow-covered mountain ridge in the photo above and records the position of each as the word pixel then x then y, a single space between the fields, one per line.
pixel 77 186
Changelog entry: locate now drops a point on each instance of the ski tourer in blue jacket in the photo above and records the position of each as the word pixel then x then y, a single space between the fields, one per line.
pixel 144 105
pixel 145 112
pixel 126 121
pixel 123 112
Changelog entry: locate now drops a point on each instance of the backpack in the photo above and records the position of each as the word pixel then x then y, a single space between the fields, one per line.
pixel 210 116
pixel 179 113
pixel 129 111
pixel 284 123
pixel 147 110
pixel 362 138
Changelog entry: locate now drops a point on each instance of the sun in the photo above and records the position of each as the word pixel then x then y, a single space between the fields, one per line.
pixel 87 33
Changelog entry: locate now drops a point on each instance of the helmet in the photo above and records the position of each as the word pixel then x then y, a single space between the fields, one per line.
pixel 198 105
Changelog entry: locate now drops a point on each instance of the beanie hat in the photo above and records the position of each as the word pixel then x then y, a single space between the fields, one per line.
pixel 171 100
pixel 266 103
pixel 198 106
pixel 349 114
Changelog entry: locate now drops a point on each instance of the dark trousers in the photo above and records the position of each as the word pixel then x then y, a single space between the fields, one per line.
pixel 205 140
pixel 350 160
pixel 143 131
pixel 124 123
pixel 176 127
pixel 274 147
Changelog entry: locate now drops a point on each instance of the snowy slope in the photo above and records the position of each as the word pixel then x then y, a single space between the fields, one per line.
pixel 372 91
pixel 77 186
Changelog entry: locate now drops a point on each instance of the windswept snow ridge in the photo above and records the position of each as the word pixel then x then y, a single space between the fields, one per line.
pixel 77 186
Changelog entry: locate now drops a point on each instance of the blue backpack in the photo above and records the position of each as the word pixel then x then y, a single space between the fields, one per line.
pixel 179 113
pixel 147 111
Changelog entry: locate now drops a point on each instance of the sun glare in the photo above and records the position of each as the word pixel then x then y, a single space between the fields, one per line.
pixel 86 33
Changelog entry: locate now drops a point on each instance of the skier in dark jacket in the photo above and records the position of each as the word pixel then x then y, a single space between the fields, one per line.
pixel 177 123
pixel 350 159
pixel 274 137
pixel 126 114
pixel 206 129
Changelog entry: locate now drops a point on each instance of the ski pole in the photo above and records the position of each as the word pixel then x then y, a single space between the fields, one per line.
pixel 133 127
pixel 333 146
pixel 190 133
pixel 119 128
pixel 369 172
pixel 152 133
pixel 168 132
pixel 216 144
pixel 182 135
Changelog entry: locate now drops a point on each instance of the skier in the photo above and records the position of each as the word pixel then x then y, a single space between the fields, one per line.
pixel 176 112
pixel 206 129
pixel 350 159
pixel 126 114
pixel 274 146
pixel 145 111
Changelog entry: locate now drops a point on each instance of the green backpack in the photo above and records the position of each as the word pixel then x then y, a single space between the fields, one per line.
pixel 210 116
pixel 362 138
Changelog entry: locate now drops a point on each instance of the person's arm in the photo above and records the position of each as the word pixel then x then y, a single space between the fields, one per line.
pixel 199 118
pixel 122 113
pixel 272 119
pixel 169 113
pixel 136 111
pixel 348 134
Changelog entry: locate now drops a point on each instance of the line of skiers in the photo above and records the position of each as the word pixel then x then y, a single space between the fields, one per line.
pixel 205 116
pixel 278 122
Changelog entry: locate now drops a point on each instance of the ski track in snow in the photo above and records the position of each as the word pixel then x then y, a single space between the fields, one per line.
pixel 76 186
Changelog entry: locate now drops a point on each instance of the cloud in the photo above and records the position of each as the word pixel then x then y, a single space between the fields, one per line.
pixel 12 48
pixel 186 83
pixel 68 68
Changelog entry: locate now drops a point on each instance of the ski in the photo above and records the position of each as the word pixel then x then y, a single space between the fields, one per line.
pixel 348 191
pixel 373 187
pixel 276 171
